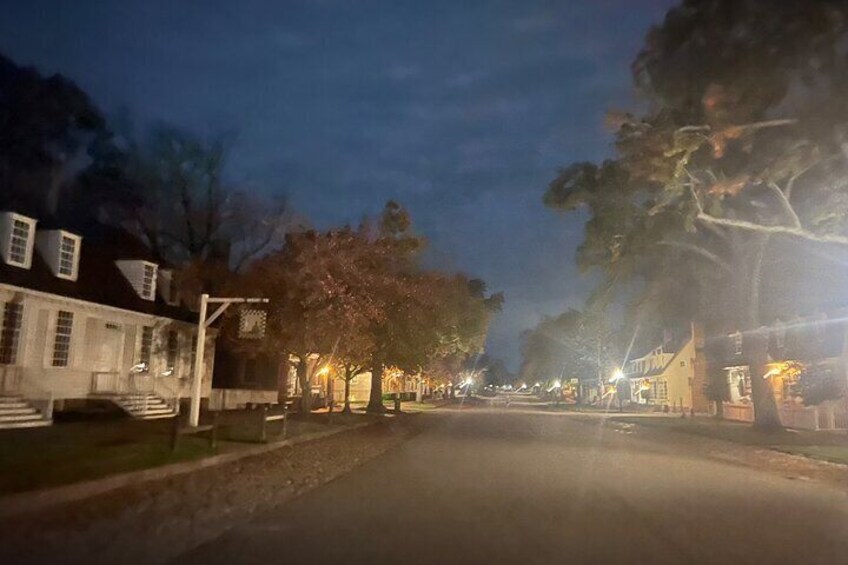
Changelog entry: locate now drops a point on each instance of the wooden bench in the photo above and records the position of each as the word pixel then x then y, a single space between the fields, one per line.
pixel 265 418
pixel 178 429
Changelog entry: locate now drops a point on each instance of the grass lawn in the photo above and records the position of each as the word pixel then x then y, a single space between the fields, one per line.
pixel 69 452
pixel 826 446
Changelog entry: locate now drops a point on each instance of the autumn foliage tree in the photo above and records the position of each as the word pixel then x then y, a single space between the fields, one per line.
pixel 321 296
pixel 360 300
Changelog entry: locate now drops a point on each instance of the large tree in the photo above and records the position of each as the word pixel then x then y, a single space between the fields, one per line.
pixel 191 213
pixel 462 311
pixel 433 321
pixel 743 146
pixel 575 344
pixel 58 158
pixel 321 291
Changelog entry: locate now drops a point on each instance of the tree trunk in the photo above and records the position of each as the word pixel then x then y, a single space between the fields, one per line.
pixel 766 414
pixel 346 409
pixel 305 386
pixel 283 381
pixel 375 400
pixel 719 408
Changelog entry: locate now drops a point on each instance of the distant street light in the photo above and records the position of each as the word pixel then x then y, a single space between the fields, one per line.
pixel 617 375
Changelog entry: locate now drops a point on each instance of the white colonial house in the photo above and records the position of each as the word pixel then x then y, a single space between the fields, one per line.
pixel 89 314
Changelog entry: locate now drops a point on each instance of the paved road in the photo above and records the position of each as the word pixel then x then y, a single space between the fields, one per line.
pixel 516 487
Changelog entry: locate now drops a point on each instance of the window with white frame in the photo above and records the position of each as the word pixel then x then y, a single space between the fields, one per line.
pixel 68 249
pixel 172 351
pixel 10 332
pixel 19 242
pixel 148 275
pixel 659 389
pixel 146 349
pixel 662 389
pixel 62 339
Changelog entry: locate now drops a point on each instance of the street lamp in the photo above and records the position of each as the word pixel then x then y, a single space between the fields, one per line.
pixel 617 375
pixel 616 379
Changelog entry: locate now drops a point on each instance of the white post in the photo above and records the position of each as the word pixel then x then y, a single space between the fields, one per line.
pixel 196 384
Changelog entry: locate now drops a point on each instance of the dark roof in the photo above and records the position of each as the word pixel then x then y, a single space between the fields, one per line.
pixel 99 281
pixel 673 345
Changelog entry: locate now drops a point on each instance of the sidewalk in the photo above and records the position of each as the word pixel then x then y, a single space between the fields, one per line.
pixel 831 447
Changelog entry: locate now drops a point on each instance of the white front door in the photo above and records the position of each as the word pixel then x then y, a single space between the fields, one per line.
pixel 110 340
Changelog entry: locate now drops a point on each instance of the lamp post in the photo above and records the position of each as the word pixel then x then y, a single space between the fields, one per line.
pixel 204 322
pixel 617 377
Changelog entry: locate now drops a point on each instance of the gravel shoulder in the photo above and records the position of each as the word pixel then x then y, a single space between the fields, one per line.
pixel 154 522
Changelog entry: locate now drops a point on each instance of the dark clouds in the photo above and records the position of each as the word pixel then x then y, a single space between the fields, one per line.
pixel 460 110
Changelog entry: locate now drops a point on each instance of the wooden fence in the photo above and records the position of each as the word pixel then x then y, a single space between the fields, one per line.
pixel 831 415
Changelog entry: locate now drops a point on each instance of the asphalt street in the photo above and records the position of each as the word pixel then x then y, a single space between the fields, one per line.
pixel 498 486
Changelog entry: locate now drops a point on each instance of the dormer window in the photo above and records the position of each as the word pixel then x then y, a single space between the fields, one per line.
pixel 141 275
pixel 166 287
pixel 67 256
pixel 148 277
pixel 61 251
pixel 19 242
pixel 18 238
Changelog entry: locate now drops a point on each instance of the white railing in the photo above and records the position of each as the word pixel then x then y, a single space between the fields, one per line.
pixel 10 379
pixel 13 383
pixel 106 382
pixel 40 398
pixel 168 389
pixel 138 385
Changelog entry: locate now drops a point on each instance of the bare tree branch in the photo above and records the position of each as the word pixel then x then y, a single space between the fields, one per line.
pixel 786 205
pixel 800 233
pixel 709 255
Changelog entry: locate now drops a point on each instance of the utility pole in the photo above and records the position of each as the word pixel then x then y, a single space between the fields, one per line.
pixel 202 323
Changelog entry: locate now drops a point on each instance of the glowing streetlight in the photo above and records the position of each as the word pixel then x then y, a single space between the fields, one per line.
pixel 617 376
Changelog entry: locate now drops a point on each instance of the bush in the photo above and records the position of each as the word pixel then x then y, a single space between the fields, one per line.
pixel 818 384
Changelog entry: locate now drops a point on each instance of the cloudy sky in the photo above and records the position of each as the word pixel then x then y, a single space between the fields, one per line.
pixel 460 110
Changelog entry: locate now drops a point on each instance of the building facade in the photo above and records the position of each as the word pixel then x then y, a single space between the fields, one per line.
pixel 672 375
pixel 806 367
pixel 89 316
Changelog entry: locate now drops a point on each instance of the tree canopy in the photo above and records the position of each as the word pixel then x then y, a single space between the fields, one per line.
pixel 742 149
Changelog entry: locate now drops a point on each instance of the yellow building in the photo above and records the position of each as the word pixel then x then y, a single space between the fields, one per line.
pixel 671 375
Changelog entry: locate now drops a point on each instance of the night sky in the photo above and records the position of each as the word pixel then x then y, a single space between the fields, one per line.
pixel 460 110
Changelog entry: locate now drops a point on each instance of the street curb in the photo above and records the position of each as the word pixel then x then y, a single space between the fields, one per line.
pixel 31 501
pixel 761 448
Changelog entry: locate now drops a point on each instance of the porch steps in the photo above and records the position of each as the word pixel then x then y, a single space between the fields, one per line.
pixel 16 412
pixel 144 406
